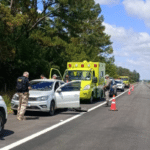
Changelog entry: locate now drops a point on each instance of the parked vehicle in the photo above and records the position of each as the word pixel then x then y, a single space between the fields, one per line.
pixel 91 75
pixel 125 80
pixel 3 114
pixel 120 85
pixel 49 94
pixel 113 88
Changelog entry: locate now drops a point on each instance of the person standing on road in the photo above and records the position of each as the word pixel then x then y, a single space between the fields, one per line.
pixel 107 88
pixel 23 92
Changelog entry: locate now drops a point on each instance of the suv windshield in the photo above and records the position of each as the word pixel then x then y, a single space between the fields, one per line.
pixel 118 82
pixel 78 74
pixel 124 79
pixel 41 85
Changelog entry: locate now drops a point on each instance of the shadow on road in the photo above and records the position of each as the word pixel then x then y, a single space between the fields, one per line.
pixel 94 101
pixel 5 134
pixel 31 118
pixel 32 115
pixel 35 114
pixel 69 113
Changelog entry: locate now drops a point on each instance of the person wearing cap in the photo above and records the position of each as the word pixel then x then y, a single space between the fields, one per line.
pixel 54 76
pixel 23 87
pixel 107 88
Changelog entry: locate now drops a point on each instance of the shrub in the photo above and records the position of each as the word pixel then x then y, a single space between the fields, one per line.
pixel 7 100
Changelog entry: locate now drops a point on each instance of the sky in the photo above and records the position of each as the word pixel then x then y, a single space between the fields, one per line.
pixel 128 24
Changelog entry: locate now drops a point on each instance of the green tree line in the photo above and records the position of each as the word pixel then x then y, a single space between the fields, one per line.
pixel 133 75
pixel 65 30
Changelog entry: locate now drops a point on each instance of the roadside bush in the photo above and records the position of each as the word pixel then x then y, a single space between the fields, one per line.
pixel 7 100
pixel 7 96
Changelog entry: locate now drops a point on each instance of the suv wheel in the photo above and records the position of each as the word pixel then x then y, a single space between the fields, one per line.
pixel 52 108
pixel 2 118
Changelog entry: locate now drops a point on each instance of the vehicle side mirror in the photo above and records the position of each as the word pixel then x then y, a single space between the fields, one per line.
pixel 58 90
pixel 94 80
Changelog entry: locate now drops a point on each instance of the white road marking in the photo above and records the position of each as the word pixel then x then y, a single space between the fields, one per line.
pixel 109 100
pixel 40 133
pixel 26 139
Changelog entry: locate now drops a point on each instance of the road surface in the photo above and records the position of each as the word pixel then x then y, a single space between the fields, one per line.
pixel 100 129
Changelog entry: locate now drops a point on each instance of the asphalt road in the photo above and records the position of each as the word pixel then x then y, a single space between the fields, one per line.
pixel 128 128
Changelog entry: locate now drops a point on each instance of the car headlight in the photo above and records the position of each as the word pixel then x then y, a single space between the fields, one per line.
pixel 87 87
pixel 15 97
pixel 43 98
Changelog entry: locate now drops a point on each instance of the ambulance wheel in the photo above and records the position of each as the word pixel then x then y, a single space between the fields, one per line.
pixel 52 108
pixel 91 99
pixel 15 112
pixel 1 122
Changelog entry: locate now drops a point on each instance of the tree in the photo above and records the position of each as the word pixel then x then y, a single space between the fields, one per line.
pixel 133 76
pixel 66 30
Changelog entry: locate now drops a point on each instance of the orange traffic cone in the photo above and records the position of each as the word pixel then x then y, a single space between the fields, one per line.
pixel 129 92
pixel 113 104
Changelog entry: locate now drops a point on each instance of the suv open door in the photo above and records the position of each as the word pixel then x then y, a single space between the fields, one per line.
pixel 68 95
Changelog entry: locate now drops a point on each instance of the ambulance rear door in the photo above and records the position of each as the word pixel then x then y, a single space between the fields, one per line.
pixel 57 72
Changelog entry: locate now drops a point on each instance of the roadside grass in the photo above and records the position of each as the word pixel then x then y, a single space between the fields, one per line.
pixel 7 96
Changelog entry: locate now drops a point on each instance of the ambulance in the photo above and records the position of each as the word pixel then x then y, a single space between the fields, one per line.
pixel 125 80
pixel 92 76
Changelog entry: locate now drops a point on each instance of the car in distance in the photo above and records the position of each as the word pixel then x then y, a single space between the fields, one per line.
pixel 120 85
pixel 3 114
pixel 46 95
pixel 113 88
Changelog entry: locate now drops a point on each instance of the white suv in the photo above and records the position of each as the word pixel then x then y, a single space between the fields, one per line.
pixel 46 95
pixel 3 114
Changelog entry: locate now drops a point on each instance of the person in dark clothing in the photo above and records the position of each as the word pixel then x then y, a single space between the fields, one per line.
pixel 23 87
pixel 67 79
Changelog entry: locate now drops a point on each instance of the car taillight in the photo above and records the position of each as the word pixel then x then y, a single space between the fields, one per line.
pixel 82 65
pixel 95 65
pixel 70 65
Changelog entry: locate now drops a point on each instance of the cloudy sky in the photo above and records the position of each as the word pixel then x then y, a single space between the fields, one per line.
pixel 128 23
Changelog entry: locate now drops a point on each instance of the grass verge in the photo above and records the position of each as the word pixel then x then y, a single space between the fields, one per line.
pixel 7 98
